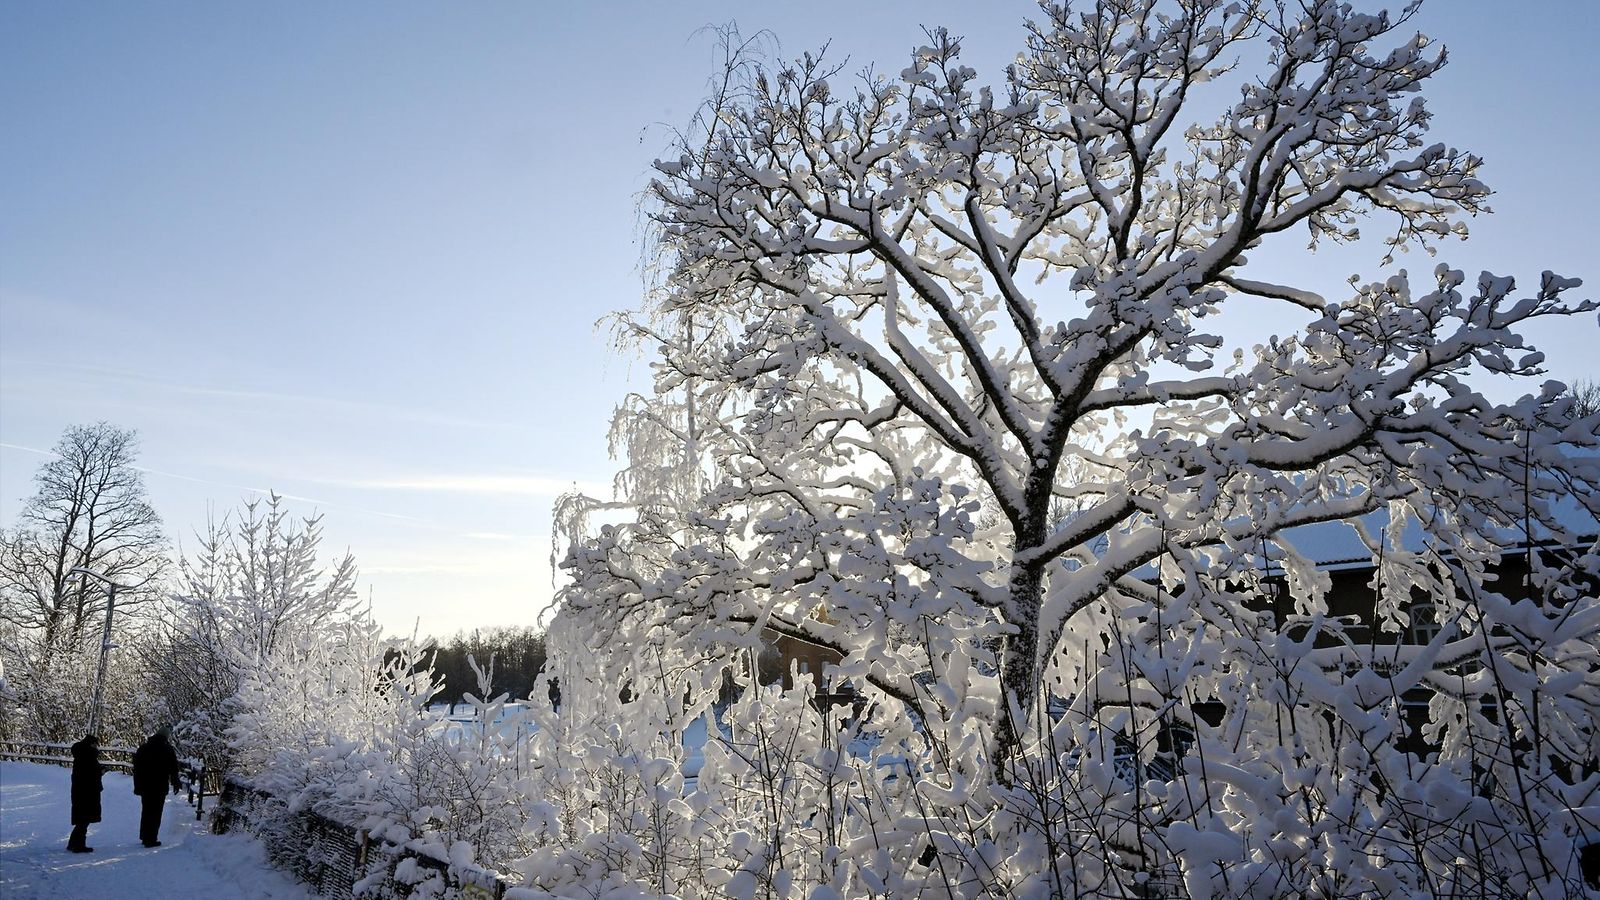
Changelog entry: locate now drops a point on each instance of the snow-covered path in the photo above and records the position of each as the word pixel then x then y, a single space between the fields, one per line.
pixel 190 863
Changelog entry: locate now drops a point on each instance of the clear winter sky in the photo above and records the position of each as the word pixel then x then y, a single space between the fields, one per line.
pixel 355 252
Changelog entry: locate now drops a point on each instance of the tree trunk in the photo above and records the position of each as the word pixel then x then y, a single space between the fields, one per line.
pixel 1019 678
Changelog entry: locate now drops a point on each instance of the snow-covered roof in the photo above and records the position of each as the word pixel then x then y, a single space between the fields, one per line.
pixel 1335 545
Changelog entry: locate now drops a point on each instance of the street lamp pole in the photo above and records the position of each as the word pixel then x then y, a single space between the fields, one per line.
pixel 105 647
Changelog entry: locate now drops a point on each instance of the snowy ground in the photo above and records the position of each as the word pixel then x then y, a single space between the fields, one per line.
pixel 190 863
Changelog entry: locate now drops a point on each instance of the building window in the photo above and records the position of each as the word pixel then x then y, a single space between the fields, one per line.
pixel 1424 625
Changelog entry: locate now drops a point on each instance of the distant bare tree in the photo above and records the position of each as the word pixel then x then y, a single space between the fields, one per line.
pixel 1586 391
pixel 89 510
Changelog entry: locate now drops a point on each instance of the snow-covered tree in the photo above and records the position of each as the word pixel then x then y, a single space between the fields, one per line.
pixel 970 433
pixel 89 510
pixel 254 585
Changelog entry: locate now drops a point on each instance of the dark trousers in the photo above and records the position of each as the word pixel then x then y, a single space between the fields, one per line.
pixel 80 833
pixel 150 817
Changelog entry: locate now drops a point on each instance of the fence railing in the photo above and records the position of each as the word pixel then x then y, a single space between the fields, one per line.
pixel 335 858
pixel 120 758
pixel 199 781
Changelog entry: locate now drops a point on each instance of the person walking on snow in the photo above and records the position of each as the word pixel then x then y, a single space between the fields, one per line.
pixel 154 765
pixel 86 787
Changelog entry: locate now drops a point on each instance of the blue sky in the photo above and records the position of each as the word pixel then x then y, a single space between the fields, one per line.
pixel 356 252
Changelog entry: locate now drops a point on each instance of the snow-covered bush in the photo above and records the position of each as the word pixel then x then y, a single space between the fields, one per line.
pixel 52 689
pixel 342 725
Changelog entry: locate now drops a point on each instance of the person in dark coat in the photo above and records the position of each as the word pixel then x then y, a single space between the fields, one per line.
pixel 155 765
pixel 86 787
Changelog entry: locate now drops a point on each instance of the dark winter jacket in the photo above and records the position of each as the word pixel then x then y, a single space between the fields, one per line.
pixel 86 771
pixel 155 765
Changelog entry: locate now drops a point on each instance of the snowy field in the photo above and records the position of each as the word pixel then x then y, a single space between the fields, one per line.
pixel 190 863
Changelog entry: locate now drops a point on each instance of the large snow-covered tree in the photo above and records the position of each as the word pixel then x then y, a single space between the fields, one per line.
pixel 949 354
pixel 1013 285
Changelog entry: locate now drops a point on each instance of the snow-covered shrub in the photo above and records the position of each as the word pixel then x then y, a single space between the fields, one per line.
pixel 52 690
pixel 342 725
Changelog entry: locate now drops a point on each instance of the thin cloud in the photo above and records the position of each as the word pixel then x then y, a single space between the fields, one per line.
pixel 327 406
pixel 314 501
pixel 492 566
pixel 459 569
pixel 501 485
pixel 497 536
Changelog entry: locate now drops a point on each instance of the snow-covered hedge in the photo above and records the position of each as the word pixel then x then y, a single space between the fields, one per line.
pixel 1299 789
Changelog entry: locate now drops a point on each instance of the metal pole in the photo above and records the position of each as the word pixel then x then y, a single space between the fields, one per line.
pixel 105 653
